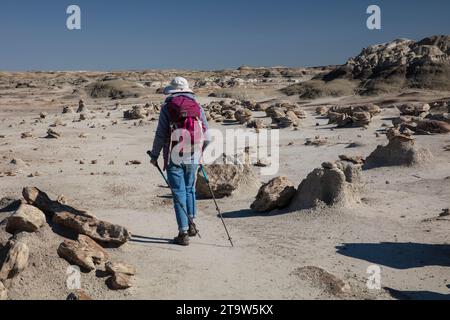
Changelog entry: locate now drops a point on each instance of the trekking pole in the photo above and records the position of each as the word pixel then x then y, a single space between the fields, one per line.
pixel 175 198
pixel 215 202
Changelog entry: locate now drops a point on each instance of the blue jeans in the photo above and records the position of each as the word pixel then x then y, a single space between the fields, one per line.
pixel 182 180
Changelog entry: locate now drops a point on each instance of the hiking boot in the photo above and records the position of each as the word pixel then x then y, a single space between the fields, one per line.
pixel 182 239
pixel 193 231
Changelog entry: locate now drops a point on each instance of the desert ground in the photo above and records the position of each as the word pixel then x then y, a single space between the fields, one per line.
pixel 398 221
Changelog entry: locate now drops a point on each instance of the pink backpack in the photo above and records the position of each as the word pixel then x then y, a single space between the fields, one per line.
pixel 185 121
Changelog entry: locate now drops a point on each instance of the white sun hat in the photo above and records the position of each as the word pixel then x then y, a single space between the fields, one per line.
pixel 178 85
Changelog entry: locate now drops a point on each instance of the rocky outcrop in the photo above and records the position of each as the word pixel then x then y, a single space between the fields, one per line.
pixel 334 184
pixel 276 194
pixel 387 67
pixel 400 151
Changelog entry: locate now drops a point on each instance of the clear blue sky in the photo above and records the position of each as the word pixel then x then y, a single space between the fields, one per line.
pixel 204 34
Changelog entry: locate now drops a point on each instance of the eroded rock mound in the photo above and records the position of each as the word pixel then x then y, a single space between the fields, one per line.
pixel 276 194
pixel 226 178
pixel 400 151
pixel 334 184
pixel 116 89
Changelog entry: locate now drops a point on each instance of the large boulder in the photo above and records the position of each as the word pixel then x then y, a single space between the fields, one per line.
pixel 334 184
pixel 226 178
pixel 13 259
pixel 400 151
pixel 27 218
pixel 276 194
pixel 105 233
pixel 84 252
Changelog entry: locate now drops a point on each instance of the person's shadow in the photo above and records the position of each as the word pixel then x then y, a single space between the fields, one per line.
pixel 150 240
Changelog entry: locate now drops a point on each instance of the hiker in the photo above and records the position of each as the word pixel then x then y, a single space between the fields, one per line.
pixel 181 119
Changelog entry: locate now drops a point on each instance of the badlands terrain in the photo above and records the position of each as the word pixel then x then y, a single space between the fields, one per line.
pixel 364 181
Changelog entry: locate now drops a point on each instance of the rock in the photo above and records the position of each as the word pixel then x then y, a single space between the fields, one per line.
pixel 26 135
pixel 431 126
pixel 226 179
pixel 119 267
pixel 414 109
pixel 52 134
pixel 135 113
pixel 105 233
pixel 288 121
pixel 82 117
pixel 276 194
pixel 133 162
pixel 262 163
pixel 84 252
pixel 79 295
pixel 445 213
pixel 41 200
pixel 331 185
pixel 18 162
pixel 243 115
pixel 3 292
pixel 43 115
pixel 119 281
pixel 400 151
pixel 322 111
pixel 67 110
pixel 352 159
pixel 256 124
pixel 16 259
pixel 324 280
pixel 26 219
pixel 81 107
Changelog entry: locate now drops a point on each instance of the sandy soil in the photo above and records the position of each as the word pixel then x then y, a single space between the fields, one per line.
pixel 388 229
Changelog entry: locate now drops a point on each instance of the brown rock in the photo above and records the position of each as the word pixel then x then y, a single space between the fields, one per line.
pixel 277 193
pixel 105 233
pixel 119 267
pixel 41 200
pixel 16 259
pixel 119 281
pixel 52 134
pixel 79 295
pixel 27 218
pixel 84 252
